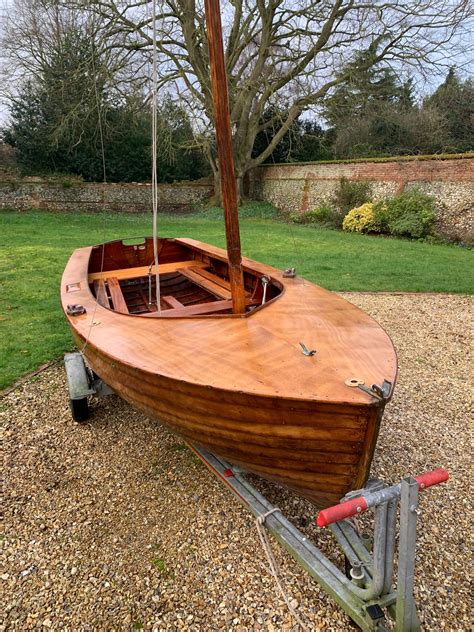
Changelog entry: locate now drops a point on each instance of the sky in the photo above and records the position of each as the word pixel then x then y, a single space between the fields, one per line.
pixel 423 87
pixel 3 13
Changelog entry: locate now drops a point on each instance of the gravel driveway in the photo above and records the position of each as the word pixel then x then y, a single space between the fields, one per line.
pixel 116 525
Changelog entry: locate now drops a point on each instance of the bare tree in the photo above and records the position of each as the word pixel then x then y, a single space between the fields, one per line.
pixel 284 56
pixel 285 52
pixel 36 32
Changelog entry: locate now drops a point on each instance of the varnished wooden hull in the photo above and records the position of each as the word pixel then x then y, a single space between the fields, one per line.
pixel 320 446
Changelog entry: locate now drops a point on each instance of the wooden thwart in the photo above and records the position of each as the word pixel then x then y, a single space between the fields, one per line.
pixel 134 273
pixel 172 302
pixel 215 278
pixel 206 283
pixel 193 310
pixel 211 277
pixel 197 310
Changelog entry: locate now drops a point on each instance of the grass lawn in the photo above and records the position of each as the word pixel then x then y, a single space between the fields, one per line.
pixel 34 248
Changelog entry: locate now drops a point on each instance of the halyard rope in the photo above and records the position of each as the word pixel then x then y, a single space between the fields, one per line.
pixel 104 174
pixel 262 533
pixel 154 179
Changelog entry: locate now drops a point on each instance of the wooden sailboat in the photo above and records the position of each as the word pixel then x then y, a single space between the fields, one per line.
pixel 258 366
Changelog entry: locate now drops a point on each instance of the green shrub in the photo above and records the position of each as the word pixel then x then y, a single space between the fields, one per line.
pixel 380 222
pixel 467 240
pixel 297 218
pixel 410 214
pixel 300 218
pixel 321 214
pixel 360 219
pixel 350 195
pixel 325 215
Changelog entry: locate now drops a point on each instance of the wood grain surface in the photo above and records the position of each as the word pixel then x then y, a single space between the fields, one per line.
pixel 132 273
pixel 225 152
pixel 240 386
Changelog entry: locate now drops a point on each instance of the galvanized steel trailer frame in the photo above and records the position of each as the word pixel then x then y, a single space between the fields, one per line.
pixel 368 595
pixel 367 592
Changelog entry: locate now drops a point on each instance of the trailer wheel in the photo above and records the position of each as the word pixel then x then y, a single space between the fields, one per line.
pixel 79 409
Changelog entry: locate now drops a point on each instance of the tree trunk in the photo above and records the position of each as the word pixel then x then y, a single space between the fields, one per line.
pixel 216 199
pixel 240 189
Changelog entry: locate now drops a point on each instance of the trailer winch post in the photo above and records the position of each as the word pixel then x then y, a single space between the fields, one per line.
pixel 405 612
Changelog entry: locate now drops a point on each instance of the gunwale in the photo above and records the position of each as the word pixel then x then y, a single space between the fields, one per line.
pixel 258 358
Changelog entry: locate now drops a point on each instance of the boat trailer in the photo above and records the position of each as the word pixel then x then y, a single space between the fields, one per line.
pixel 365 591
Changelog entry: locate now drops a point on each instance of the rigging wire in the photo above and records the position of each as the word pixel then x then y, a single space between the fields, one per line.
pixel 104 180
pixel 296 250
pixel 154 178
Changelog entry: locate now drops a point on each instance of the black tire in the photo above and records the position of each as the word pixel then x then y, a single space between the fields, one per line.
pixel 79 409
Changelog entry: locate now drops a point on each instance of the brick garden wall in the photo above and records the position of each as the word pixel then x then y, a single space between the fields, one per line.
pixel 74 195
pixel 293 188
pixel 302 186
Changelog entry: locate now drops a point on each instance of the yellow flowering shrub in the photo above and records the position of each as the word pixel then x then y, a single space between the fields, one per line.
pixel 360 219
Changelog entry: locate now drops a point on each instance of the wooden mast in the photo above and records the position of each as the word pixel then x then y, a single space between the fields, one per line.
pixel 224 152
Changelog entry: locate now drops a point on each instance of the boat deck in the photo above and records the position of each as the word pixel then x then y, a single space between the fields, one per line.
pixel 202 343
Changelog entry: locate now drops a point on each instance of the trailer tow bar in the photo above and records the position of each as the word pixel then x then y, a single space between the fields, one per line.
pixel 368 597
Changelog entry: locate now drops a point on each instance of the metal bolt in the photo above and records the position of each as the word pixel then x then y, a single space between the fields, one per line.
pixel 357 573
